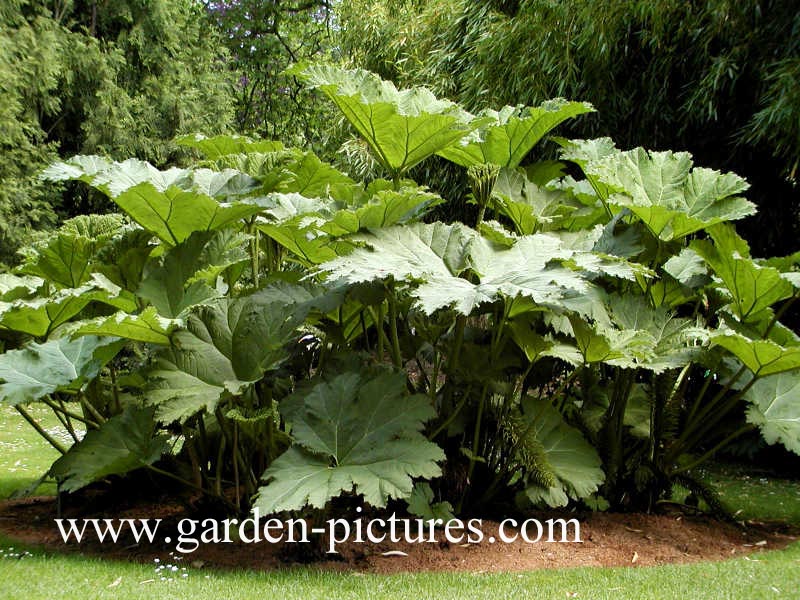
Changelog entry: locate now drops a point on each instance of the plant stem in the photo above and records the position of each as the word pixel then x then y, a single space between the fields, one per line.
pixel 115 389
pixel 481 214
pixel 364 328
pixel 741 431
pixel 704 423
pixel 561 390
pixel 614 424
pixel 458 341
pixel 653 266
pixel 88 407
pixel 780 313
pixel 381 333
pixel 254 243
pixel 204 458
pixel 700 418
pixel 67 425
pixel 603 198
pixel 236 462
pixel 450 364
pixel 700 396
pixel 708 423
pixel 434 382
pixel 51 440
pixel 220 455
pixel 452 416
pixel 187 483
pixel 476 435
pixel 397 357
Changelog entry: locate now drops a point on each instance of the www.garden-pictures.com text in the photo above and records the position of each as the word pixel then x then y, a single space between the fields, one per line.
pixel 254 530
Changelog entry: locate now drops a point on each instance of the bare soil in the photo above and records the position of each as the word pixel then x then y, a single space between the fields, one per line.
pixel 608 539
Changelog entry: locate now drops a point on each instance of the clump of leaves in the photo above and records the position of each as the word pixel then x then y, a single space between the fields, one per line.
pixel 297 335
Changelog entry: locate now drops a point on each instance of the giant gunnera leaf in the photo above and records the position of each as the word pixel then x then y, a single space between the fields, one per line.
pixel 762 356
pixel 218 146
pixel 402 127
pixel 353 433
pixel 41 315
pixel 123 443
pixel 511 132
pixel 528 206
pixel 454 266
pixel 180 277
pixel 225 346
pixel 775 408
pixel 751 287
pixel 561 464
pixel 36 370
pixel 171 204
pixel 670 197
pixel 639 336
pixel 147 326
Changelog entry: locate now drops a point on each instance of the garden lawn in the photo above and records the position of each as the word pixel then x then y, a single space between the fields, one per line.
pixel 756 495
pixel 31 574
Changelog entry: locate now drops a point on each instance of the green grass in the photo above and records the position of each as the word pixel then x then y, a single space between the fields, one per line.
pixel 31 574
pixel 24 455
pixel 773 575
pixel 754 495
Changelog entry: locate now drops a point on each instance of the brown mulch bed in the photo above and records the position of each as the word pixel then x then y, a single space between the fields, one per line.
pixel 608 539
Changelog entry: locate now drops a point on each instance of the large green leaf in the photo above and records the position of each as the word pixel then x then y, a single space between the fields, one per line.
pixel 421 504
pixel 115 178
pixel 66 258
pixel 226 345
pixel 306 296
pixel 639 337
pixel 352 433
pixel 308 227
pixel 402 127
pixel 123 258
pixel 282 208
pixel 147 326
pixel 222 145
pixel 268 168
pixel 224 254
pixel 654 338
pixel 308 245
pixel 775 408
pixel 123 443
pixel 14 287
pixel 565 458
pixel 177 280
pixel 670 197
pixel 789 267
pixel 528 206
pixel 173 215
pixel 385 208
pixel 40 369
pixel 511 133
pixel 452 265
pixel 582 152
pixel 171 204
pixel 313 178
pixel 98 227
pixel 598 344
pixel 751 286
pixel 689 268
pixel 39 316
pixel 762 357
